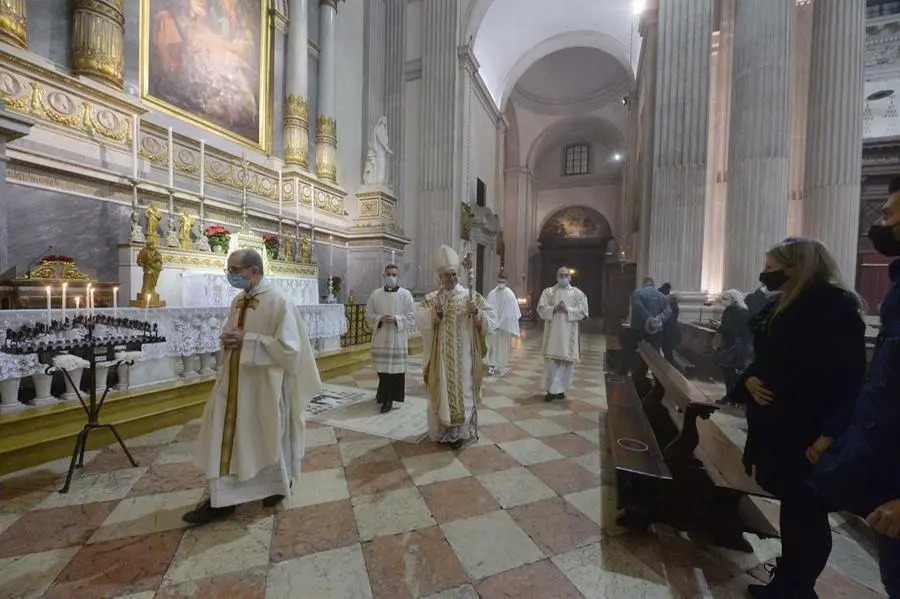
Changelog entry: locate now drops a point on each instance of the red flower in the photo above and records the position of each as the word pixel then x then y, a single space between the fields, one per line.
pixel 66 259
pixel 269 238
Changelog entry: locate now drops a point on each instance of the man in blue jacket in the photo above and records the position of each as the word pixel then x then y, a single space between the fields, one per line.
pixel 860 471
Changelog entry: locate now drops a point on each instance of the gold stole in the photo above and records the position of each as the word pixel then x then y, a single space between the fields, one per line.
pixel 231 402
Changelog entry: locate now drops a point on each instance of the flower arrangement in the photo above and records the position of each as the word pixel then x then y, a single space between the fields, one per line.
pixel 336 286
pixel 65 259
pixel 272 244
pixel 217 235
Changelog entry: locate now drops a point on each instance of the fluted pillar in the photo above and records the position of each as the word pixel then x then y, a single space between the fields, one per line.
pixel 834 133
pixel 646 105
pixel 682 110
pixel 799 115
pixel 14 23
pixel 296 86
pixel 759 141
pixel 439 210
pixel 717 161
pixel 394 86
pixel 98 41
pixel 326 123
pixel 374 32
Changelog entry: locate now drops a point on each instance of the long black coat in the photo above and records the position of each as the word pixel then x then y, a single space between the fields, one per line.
pixel 813 359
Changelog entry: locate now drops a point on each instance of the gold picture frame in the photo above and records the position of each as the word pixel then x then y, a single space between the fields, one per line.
pixel 193 115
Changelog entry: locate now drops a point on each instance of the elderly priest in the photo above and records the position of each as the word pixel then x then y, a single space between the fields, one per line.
pixel 454 322
pixel 251 436
pixel 561 307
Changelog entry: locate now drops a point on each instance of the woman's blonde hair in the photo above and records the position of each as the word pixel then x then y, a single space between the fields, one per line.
pixel 812 262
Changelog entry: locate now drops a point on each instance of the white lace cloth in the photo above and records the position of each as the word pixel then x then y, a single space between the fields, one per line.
pixel 188 331
pixel 212 289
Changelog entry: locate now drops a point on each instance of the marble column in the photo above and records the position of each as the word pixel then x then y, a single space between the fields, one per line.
pixel 682 135
pixel 439 210
pixel 326 123
pixel 799 115
pixel 647 106
pixel 834 132
pixel 717 161
pixel 374 32
pixel 12 127
pixel 98 41
pixel 14 23
pixel 395 86
pixel 296 104
pixel 759 141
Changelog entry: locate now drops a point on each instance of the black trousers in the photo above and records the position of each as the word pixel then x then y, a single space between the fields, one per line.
pixel 805 539
pixel 391 387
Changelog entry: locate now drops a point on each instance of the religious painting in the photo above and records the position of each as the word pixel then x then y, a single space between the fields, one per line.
pixel 207 61
pixel 576 223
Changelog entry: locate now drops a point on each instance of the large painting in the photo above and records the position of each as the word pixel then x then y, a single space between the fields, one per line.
pixel 576 223
pixel 207 61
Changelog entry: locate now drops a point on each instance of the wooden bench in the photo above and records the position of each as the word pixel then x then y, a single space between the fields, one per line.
pixel 672 463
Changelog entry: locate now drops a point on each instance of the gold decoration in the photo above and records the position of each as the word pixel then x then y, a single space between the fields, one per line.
pixel 14 23
pixel 57 270
pixel 153 217
pixel 326 148
pixel 187 224
pixel 304 251
pixel 151 261
pixel 296 131
pixel 297 107
pixel 288 249
pixel 326 129
pixel 98 39
pixel 466 221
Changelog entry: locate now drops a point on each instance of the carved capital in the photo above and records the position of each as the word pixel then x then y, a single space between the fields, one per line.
pixel 98 41
pixel 14 23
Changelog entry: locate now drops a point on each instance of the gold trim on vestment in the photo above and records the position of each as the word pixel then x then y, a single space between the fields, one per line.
pixel 231 401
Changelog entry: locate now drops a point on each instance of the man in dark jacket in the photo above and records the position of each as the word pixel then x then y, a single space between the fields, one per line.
pixel 860 471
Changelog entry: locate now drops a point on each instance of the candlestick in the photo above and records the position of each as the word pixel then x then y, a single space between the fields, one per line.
pixel 115 302
pixel 64 288
pixel 48 304
pixel 136 144
pixel 202 171
pixel 171 160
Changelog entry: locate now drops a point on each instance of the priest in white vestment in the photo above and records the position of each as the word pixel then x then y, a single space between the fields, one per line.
pixel 506 308
pixel 561 307
pixel 251 436
pixel 391 314
pixel 454 323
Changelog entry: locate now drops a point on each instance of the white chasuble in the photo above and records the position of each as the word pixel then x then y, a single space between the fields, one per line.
pixel 390 340
pixel 453 352
pixel 561 328
pixel 251 436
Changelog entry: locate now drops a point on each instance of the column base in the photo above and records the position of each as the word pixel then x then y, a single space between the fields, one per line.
pixel 375 208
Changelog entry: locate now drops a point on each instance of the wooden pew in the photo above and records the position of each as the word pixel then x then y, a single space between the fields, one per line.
pixel 702 486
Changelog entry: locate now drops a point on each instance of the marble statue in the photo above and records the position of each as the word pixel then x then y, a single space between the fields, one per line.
pixel 151 261
pixel 173 240
pixel 153 217
pixel 187 226
pixel 378 156
pixel 137 234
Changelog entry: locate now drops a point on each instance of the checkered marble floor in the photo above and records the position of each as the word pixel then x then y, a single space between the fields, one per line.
pixel 527 512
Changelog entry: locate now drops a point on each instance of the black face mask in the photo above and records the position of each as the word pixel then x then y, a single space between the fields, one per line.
pixel 773 279
pixel 884 240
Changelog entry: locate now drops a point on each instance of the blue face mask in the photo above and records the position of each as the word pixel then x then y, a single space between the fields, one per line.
pixel 238 281
pixel 390 281
pixel 563 282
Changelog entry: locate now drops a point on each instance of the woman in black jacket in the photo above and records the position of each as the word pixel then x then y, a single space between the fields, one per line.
pixel 810 359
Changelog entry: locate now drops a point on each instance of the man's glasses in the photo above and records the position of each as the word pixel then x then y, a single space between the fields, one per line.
pixel 235 270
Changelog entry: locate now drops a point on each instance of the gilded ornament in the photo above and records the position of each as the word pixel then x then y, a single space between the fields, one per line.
pixel 153 217
pixel 288 249
pixel 326 129
pixel 14 23
pixel 187 225
pixel 151 261
pixel 98 40
pixel 297 107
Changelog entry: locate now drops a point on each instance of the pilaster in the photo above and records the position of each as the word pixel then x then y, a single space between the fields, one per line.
pixel 834 133
pixel 395 85
pixel 759 141
pixel 374 31
pixel 647 108
pixel 326 122
pixel 799 116
pixel 296 104
pixel 98 41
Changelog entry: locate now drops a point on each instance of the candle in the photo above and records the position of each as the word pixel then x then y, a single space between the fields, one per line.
pixel 202 170
pixel 171 160
pixel 312 204
pixel 93 289
pixel 48 303
pixel 77 304
pixel 392 257
pixel 115 302
pixel 280 198
pixel 146 307
pixel 136 133
pixel 87 298
pixel 331 254
pixel 65 287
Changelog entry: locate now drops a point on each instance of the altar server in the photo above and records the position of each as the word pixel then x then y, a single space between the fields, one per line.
pixel 251 437
pixel 391 313
pixel 506 307
pixel 561 307
pixel 454 322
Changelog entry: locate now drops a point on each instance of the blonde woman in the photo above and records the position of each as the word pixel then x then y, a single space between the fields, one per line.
pixel 800 390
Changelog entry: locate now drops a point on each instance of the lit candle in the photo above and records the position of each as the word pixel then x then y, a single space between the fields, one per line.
pixel 331 254
pixel 87 299
pixel 171 160
pixel 93 289
pixel 202 169
pixel 65 287
pixel 48 303
pixel 392 257
pixel 77 304
pixel 115 302
pixel 136 134
pixel 280 198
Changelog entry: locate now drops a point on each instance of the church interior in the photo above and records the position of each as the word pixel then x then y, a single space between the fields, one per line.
pixel 142 142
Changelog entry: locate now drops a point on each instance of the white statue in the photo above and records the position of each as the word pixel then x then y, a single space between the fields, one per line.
pixel 378 157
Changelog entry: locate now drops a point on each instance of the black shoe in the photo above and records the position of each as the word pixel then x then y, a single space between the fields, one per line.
pixel 457 444
pixel 561 396
pixel 272 500
pixel 206 513
pixel 548 397
pixel 386 406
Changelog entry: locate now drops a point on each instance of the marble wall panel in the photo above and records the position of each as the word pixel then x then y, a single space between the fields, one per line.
pixel 49 32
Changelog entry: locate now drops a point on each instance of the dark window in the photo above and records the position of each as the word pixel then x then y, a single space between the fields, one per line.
pixel 480 193
pixel 881 8
pixel 577 159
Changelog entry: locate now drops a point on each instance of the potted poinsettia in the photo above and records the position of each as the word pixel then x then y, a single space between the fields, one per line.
pixel 271 242
pixel 336 286
pixel 218 237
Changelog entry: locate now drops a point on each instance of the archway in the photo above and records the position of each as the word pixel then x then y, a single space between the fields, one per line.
pixel 577 237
